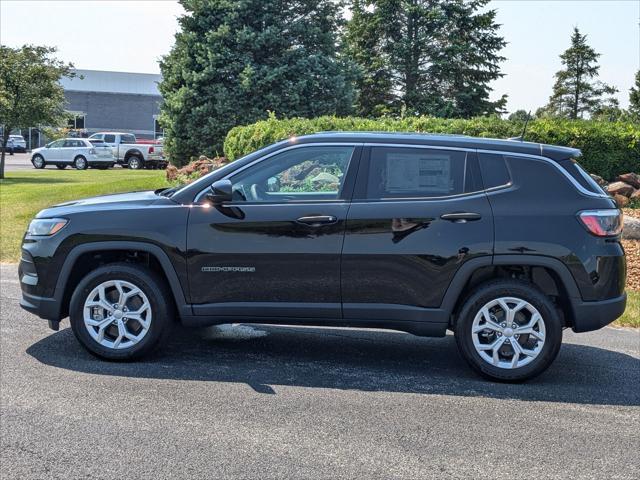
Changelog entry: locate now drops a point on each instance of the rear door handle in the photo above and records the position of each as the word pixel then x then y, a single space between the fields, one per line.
pixel 317 220
pixel 461 217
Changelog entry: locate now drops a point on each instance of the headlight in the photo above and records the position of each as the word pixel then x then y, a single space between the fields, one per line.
pixel 46 226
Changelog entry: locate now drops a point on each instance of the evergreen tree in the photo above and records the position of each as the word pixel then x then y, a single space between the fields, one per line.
pixel 634 99
pixel 363 47
pixel 232 62
pixel 576 91
pixel 439 55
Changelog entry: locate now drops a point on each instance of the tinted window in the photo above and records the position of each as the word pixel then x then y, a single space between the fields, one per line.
pixel 127 139
pixel 417 172
pixel 110 138
pixel 581 176
pixel 306 173
pixel 494 170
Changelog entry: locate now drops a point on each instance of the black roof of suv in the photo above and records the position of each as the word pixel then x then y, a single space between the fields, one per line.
pixel 554 152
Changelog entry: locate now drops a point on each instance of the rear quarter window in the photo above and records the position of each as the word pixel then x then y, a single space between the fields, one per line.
pixel 495 172
pixel 581 176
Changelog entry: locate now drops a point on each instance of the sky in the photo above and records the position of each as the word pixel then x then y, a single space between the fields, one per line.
pixel 132 36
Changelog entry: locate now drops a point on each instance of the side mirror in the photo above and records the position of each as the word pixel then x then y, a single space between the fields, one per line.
pixel 221 191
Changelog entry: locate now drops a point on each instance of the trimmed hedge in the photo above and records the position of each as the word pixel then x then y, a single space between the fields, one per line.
pixel 609 148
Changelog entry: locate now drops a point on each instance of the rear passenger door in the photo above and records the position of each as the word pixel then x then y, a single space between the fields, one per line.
pixel 417 215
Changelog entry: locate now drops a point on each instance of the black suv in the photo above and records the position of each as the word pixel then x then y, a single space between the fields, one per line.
pixel 504 242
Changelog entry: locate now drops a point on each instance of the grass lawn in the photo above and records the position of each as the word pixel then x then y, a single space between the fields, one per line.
pixel 631 317
pixel 23 194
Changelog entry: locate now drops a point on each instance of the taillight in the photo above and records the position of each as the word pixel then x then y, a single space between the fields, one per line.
pixel 151 150
pixel 602 223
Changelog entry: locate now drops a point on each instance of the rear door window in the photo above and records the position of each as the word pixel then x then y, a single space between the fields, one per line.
pixel 401 172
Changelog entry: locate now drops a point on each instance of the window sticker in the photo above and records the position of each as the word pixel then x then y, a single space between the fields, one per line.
pixel 408 172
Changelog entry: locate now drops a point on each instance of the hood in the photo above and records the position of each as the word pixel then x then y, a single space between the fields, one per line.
pixel 103 202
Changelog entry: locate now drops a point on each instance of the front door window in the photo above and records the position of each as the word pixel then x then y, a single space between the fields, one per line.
pixel 300 174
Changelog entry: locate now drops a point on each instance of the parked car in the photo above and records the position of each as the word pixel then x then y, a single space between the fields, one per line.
pixel 15 143
pixel 505 243
pixel 130 153
pixel 77 152
pixel 19 143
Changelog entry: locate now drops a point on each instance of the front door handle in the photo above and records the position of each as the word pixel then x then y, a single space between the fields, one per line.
pixel 461 217
pixel 317 220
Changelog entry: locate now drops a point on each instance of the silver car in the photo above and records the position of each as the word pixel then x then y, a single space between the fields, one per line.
pixel 77 152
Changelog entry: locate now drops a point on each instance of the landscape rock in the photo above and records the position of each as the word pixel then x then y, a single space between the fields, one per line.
pixel 599 180
pixel 632 179
pixel 620 188
pixel 621 200
pixel 635 195
pixel 631 228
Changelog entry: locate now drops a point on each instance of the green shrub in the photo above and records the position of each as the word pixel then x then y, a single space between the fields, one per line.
pixel 608 148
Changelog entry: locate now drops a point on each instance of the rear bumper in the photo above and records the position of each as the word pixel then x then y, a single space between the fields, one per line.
pixel 590 316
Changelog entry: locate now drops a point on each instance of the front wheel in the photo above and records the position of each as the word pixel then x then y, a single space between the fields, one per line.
pixel 38 161
pixel 509 330
pixel 121 311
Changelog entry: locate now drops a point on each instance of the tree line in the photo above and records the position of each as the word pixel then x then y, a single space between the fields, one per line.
pixel 233 62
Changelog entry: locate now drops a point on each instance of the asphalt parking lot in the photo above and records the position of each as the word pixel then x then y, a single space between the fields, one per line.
pixel 282 402
pixel 19 161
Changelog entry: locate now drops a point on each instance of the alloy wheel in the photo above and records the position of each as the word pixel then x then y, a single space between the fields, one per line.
pixel 508 332
pixel 117 314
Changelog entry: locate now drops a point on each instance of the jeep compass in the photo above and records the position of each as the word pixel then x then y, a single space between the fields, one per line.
pixel 505 243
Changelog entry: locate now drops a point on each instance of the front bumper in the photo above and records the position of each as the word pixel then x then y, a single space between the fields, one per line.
pixel 590 316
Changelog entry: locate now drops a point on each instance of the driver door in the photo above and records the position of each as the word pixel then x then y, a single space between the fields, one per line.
pixel 275 249
pixel 53 153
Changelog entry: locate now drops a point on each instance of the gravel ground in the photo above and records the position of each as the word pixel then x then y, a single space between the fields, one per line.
pixel 632 249
pixel 278 402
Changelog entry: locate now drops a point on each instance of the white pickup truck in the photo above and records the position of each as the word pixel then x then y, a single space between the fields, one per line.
pixel 129 153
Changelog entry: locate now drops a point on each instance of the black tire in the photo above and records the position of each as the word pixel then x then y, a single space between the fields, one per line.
pixel 80 163
pixel 38 161
pixel 509 288
pixel 135 162
pixel 158 294
pixel 60 166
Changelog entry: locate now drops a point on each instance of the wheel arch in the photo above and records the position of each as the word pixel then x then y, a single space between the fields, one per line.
pixel 547 273
pixel 111 252
pixel 133 152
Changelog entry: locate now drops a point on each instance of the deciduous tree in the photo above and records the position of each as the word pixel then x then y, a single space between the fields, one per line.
pixel 30 92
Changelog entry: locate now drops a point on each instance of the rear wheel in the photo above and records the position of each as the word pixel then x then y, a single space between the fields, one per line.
pixel 508 330
pixel 120 312
pixel 135 162
pixel 38 161
pixel 80 163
